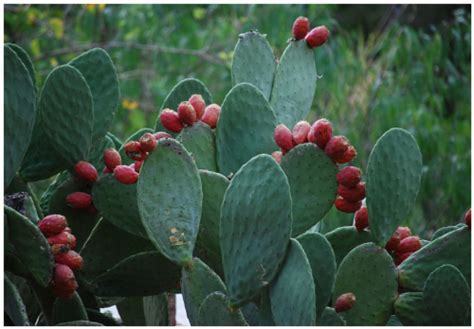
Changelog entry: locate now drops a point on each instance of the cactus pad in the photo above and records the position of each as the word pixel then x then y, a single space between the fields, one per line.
pixel 346 238
pixel 117 203
pixel 254 62
pixel 13 305
pixel 65 310
pixel 312 178
pixel 19 112
pixel 97 68
pixel 143 274
pixel 255 227
pixel 447 297
pixel 411 309
pixel 393 180
pixel 295 84
pixel 197 283
pixel 67 113
pixel 452 248
pixel 26 60
pixel 181 92
pixel 169 204
pixel 214 311
pixel 292 294
pixel 330 318
pixel 321 258
pixel 369 273
pixel 200 141
pixel 29 246
pixel 246 117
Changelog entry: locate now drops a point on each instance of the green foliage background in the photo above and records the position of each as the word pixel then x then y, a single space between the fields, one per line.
pixel 384 66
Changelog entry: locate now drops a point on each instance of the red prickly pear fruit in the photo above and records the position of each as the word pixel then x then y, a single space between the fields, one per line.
pixel 344 302
pixel 92 209
pixel 346 206
pixel 349 176
pixel 352 194
pixel 79 200
pixel 361 219
pixel 52 224
pixel 211 115
pixel 170 120
pixel 137 165
pixel 467 218
pixel 348 156
pixel 198 104
pixel 64 282
pixel 148 142
pixel 68 229
pixel 283 137
pixel 107 171
pixel 320 133
pixel 401 257
pixel 59 248
pixel 317 36
pixel 134 151
pixel 300 132
pixel 69 258
pixel 401 233
pixel 112 159
pixel 125 174
pixel 186 113
pixel 409 244
pixel 300 28
pixel 86 171
pixel 161 134
pixel 277 155
pixel 336 147
pixel 65 238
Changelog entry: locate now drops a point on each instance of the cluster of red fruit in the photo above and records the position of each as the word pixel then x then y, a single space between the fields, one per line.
pixel 402 244
pixel 189 112
pixel 314 38
pixel 62 242
pixel 83 200
pixel 351 192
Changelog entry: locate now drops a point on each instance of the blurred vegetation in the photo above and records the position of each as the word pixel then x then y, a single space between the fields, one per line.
pixel 384 66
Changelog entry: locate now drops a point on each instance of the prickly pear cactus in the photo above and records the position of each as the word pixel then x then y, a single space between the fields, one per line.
pixel 207 206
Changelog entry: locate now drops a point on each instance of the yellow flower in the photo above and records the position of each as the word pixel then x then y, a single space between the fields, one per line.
pixel 130 105
pixel 90 7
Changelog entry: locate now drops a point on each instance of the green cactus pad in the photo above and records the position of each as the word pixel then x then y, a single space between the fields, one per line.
pixel 196 284
pixel 13 304
pixel 255 227
pixel 131 311
pixel 65 310
pixel 292 294
pixel 134 137
pixel 265 316
pixel 117 203
pixel 200 141
pixel 452 248
pixel 52 189
pixel 393 321
pixel 250 312
pixel 214 186
pixel 245 128
pixel 97 68
pixel 80 323
pixel 156 310
pixel 411 309
pixel 346 238
pixel 442 231
pixel 393 180
pixel 180 93
pixel 312 178
pixel 321 258
pixel 25 59
pixel 369 273
pixel 67 113
pixel 117 142
pixel 29 246
pixel 447 297
pixel 172 223
pixel 295 84
pixel 330 318
pixel 105 238
pixel 254 62
pixel 81 221
pixel 214 311
pixel 19 112
pixel 143 274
